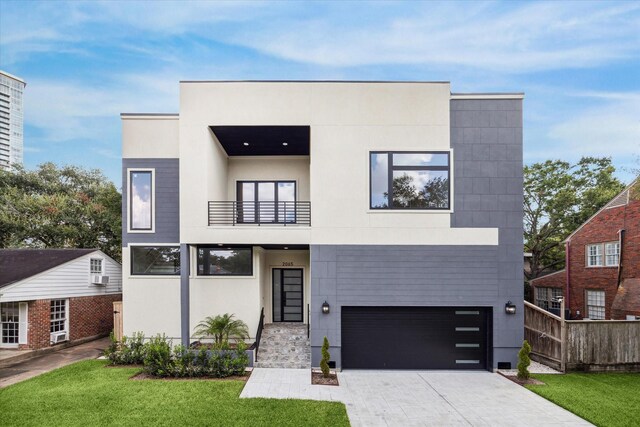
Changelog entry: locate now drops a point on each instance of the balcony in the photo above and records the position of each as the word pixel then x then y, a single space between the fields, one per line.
pixel 233 213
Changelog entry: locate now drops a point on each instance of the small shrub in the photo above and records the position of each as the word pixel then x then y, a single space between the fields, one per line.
pixel 131 351
pixel 524 361
pixel 158 361
pixel 324 363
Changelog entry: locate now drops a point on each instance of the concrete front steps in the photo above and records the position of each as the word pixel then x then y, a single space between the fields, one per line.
pixel 284 345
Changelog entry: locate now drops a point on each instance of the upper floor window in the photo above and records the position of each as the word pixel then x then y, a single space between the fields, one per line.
pixel 603 254
pixel 96 265
pixel 594 255
pixel 612 253
pixel 141 195
pixel 409 180
pixel 233 261
pixel 155 260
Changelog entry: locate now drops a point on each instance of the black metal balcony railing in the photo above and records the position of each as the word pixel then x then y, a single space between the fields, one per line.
pixel 259 213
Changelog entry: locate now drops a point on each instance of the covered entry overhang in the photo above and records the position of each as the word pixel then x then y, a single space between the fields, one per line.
pixel 263 140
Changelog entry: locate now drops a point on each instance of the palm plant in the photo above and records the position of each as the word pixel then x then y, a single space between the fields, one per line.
pixel 221 328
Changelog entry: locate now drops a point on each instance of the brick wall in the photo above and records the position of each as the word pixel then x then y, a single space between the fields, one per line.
pixel 88 316
pixel 604 228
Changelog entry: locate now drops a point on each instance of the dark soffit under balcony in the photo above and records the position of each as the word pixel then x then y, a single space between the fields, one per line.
pixel 263 140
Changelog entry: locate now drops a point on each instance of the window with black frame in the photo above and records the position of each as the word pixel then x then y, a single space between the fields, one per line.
pixel 410 180
pixel 266 202
pixel 155 260
pixel 225 261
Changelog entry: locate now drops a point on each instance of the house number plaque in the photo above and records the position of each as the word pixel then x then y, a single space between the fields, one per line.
pixel 287 263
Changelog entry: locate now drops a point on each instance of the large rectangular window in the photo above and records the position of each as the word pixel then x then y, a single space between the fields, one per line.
pixel 141 200
pixel 595 305
pixel 219 261
pixel 155 260
pixel 266 201
pixel 410 180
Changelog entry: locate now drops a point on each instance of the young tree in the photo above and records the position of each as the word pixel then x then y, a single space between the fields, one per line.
pixel 67 207
pixel 558 198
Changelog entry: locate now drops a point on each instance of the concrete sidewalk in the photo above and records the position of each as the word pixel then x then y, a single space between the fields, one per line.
pixel 30 368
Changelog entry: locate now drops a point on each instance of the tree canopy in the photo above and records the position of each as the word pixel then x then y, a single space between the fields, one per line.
pixel 558 198
pixel 66 207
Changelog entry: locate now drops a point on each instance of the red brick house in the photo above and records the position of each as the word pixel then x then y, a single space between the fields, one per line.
pixel 601 279
pixel 51 296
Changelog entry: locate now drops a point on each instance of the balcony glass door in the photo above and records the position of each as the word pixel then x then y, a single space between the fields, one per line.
pixel 266 201
pixel 287 295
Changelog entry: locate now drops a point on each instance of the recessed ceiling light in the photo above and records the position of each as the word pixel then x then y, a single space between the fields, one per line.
pixel 286 247
pixel 285 143
pixel 246 144
pixel 220 244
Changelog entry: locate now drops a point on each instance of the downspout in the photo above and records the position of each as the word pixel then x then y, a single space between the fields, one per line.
pixel 567 269
pixel 620 242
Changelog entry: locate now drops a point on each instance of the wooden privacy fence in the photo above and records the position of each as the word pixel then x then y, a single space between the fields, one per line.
pixel 543 331
pixel 117 320
pixel 582 345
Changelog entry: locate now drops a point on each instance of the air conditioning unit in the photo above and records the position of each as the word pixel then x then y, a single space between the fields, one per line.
pixel 100 280
pixel 57 337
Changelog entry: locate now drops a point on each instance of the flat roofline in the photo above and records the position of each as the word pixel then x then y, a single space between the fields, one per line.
pixel 11 76
pixel 315 81
pixel 488 95
pixel 149 115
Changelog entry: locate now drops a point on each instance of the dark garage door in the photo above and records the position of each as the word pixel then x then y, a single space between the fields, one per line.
pixel 415 337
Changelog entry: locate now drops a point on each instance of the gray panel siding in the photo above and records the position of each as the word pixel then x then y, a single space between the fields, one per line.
pixel 486 137
pixel 167 204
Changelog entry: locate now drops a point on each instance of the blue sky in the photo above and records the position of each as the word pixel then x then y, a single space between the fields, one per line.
pixel 86 62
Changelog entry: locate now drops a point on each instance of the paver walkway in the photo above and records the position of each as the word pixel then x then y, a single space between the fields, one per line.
pixel 418 398
pixel 50 361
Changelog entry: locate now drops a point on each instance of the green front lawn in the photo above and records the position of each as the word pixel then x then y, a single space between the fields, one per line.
pixel 88 394
pixel 602 399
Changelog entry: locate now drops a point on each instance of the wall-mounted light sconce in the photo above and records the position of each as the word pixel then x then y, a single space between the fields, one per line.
pixel 325 308
pixel 510 308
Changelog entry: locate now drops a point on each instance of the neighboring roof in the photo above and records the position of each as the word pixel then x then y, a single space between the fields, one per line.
pixel 547 275
pixel 621 199
pixel 19 264
pixel 316 81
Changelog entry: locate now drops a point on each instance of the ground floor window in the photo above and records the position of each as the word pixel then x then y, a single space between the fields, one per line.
pixel 58 315
pixel 595 305
pixel 547 298
pixel 10 319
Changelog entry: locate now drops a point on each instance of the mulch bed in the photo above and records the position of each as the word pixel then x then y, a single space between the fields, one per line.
pixel 145 376
pixel 318 379
pixel 515 379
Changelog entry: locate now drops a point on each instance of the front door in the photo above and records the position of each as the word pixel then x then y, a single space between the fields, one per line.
pixel 287 295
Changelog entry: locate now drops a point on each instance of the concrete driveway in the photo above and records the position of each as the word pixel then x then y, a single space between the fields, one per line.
pixel 418 398
pixel 30 368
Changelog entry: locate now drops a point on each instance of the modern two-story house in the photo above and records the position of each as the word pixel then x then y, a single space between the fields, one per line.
pixel 601 279
pixel 386 216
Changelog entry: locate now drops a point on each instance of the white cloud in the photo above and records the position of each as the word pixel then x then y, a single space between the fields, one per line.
pixel 503 37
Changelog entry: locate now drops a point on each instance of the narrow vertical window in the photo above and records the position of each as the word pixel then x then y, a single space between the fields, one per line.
pixel 594 255
pixel 141 200
pixel 595 305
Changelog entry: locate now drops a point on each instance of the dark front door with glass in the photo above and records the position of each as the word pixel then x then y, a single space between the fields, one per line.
pixel 287 295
